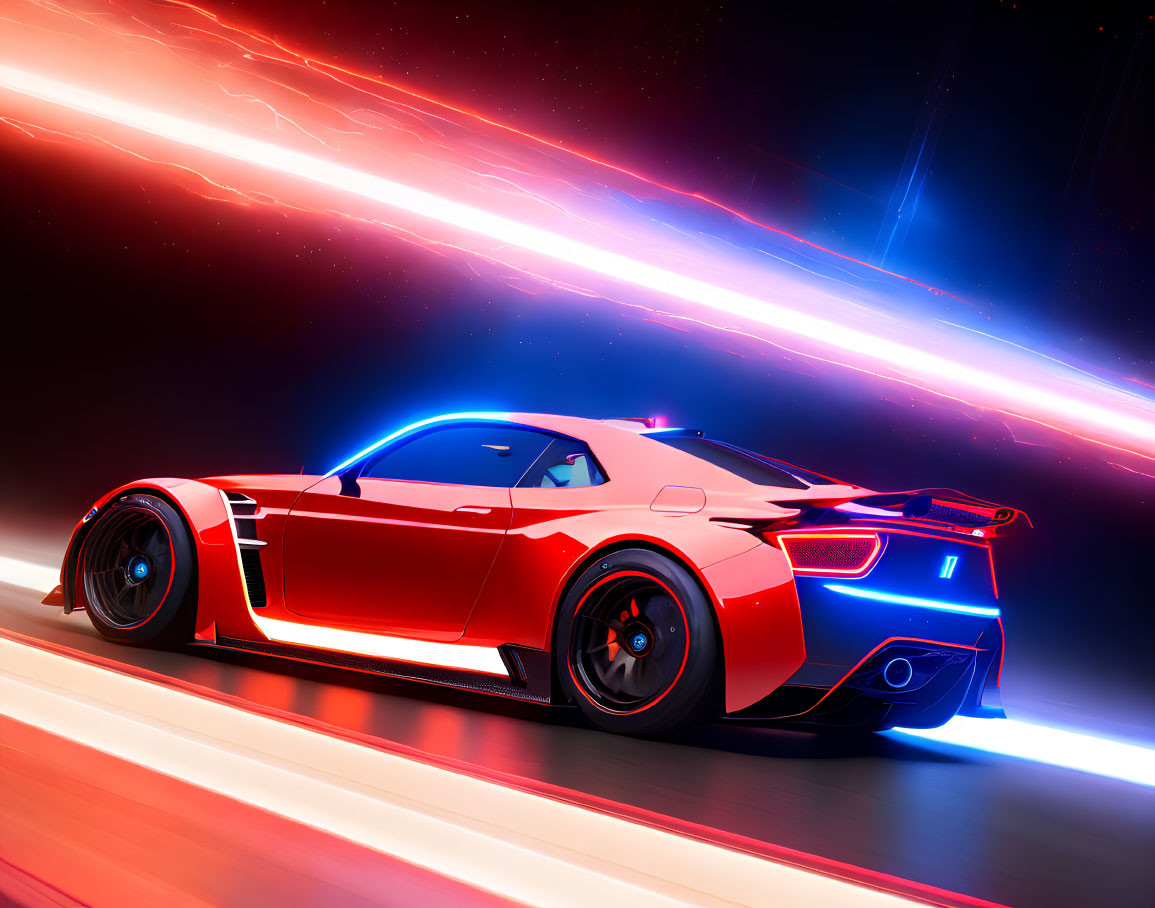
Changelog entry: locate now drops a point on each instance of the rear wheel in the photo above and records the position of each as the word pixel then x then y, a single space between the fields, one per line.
pixel 637 636
pixel 137 573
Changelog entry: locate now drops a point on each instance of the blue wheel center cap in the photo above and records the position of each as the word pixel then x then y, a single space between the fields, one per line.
pixel 139 568
pixel 638 642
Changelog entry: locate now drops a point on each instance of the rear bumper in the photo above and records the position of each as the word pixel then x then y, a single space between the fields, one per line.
pixel 952 650
pixel 913 683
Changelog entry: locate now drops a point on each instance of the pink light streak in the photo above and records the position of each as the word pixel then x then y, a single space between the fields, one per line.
pixel 261 124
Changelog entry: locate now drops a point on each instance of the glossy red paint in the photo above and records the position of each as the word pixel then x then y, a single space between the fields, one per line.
pixel 489 566
pixel 679 500
pixel 761 625
pixel 405 558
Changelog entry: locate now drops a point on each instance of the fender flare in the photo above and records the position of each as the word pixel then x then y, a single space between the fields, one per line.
pixel 200 506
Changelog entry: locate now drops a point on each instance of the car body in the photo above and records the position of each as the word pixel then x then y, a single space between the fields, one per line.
pixel 556 558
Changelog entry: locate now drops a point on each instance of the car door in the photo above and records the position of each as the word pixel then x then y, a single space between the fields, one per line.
pixel 405 547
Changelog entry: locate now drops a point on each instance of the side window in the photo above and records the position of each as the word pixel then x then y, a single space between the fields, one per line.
pixel 566 463
pixel 470 455
pixel 750 466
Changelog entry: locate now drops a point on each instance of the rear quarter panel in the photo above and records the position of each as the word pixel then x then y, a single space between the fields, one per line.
pixel 555 532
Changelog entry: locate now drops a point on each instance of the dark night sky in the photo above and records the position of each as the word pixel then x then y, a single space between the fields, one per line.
pixel 147 333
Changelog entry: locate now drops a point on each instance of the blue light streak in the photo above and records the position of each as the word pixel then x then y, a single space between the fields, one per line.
pixel 413 427
pixel 948 567
pixel 936 604
pixel 1057 747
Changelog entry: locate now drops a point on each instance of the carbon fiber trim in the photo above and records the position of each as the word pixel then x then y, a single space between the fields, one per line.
pixel 485 684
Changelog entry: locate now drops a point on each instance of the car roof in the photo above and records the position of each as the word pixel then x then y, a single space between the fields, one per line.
pixel 621 444
pixel 576 426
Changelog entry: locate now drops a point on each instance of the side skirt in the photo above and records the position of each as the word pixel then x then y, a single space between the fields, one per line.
pixel 530 669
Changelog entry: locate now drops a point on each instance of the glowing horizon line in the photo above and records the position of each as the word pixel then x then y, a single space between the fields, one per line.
pixel 1019 394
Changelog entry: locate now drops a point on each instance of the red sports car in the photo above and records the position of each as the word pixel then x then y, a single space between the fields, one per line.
pixel 654 577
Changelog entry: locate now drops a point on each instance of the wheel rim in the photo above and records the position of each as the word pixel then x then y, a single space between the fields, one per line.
pixel 128 567
pixel 629 642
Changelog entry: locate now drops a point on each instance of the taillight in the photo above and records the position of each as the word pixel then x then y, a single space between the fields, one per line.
pixel 830 552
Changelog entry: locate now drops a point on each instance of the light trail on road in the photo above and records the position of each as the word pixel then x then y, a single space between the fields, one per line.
pixel 1004 737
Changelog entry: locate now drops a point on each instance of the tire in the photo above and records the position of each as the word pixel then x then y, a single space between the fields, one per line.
pixel 138 573
pixel 637 645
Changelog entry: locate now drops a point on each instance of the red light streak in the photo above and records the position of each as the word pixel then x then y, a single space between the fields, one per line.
pixel 263 124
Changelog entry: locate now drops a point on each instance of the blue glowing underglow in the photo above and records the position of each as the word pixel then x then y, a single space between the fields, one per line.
pixel 948 567
pixel 1071 750
pixel 937 604
pixel 448 417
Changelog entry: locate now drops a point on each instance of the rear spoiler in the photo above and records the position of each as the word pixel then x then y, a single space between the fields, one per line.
pixel 944 508
pixel 941 506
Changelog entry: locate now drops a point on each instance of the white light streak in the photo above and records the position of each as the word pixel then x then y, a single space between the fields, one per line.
pixel 940 374
pixel 484 659
pixel 1068 749
pixel 28 575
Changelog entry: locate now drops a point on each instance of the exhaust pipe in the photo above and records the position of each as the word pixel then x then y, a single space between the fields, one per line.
pixel 898 673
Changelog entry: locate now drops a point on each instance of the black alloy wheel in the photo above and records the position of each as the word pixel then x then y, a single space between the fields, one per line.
pixel 630 641
pixel 638 638
pixel 137 571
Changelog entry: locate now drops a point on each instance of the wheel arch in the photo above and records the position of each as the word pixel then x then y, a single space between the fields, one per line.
pixel 216 571
pixel 70 565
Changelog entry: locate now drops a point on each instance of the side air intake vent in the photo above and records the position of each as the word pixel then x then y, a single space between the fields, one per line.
pixel 245 515
pixel 254 577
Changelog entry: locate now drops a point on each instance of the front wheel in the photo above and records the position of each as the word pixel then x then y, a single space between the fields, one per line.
pixel 137 573
pixel 637 647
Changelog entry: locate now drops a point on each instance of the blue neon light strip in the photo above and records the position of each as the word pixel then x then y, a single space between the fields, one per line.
pixel 412 428
pixel 936 604
pixel 948 567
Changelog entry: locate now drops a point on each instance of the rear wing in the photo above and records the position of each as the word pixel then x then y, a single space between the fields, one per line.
pixel 944 507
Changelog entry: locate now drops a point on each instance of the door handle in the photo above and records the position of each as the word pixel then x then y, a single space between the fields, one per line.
pixel 470 509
